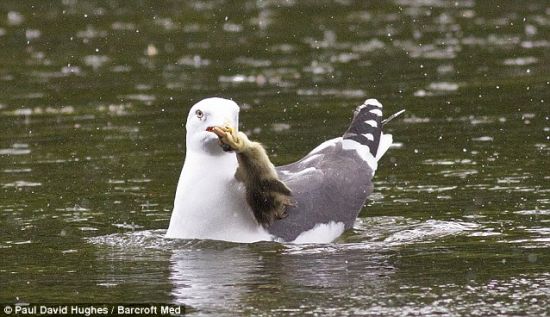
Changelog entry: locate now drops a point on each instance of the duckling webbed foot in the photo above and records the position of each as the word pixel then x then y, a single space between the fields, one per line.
pixel 230 139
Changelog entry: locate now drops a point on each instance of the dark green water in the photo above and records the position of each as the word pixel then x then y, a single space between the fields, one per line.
pixel 94 95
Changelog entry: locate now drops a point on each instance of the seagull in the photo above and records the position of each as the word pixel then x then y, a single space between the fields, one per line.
pixel 314 199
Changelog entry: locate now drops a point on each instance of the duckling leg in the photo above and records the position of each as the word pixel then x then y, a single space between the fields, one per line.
pixel 267 196
pixel 229 136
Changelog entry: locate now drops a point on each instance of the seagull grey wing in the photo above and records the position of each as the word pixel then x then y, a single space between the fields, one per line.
pixel 333 188
pixel 332 183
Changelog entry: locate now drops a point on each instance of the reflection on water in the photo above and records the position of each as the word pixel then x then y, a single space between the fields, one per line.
pixel 368 272
pixel 201 279
pixel 92 106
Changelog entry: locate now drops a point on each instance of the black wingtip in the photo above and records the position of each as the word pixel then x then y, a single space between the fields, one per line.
pixel 366 127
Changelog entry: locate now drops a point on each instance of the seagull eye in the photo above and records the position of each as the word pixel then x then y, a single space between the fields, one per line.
pixel 199 114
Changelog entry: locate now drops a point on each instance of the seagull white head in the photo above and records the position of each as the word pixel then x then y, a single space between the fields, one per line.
pixel 208 113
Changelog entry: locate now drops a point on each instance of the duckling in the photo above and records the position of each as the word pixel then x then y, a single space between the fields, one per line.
pixel 266 194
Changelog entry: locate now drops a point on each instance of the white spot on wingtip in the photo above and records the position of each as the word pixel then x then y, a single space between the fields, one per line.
pixel 373 102
pixel 372 123
pixel 377 112
pixel 369 136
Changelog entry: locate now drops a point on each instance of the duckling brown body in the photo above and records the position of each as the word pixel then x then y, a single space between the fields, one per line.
pixel 266 194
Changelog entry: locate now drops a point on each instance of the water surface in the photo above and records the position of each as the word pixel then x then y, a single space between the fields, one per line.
pixel 93 101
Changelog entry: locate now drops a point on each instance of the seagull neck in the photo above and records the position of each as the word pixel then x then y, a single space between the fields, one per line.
pixel 205 161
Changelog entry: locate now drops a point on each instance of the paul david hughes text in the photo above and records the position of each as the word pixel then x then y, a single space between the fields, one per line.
pixel 99 309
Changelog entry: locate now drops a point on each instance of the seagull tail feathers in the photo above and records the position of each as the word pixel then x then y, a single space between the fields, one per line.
pixel 366 128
